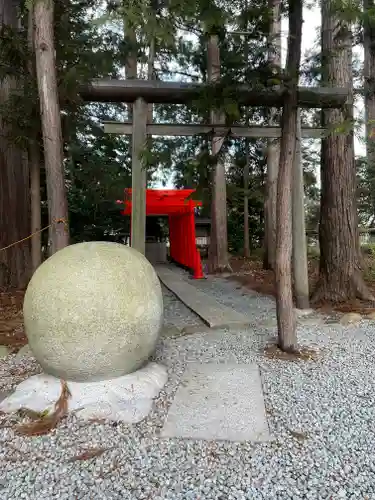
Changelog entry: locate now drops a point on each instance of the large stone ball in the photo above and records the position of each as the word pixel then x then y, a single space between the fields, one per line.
pixel 93 311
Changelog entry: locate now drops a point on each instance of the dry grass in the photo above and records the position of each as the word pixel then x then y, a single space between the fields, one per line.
pixel 249 273
pixel 40 424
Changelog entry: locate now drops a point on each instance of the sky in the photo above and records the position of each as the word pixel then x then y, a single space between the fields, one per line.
pixel 309 30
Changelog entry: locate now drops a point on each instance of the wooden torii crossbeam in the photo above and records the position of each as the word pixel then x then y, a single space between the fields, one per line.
pixel 142 92
pixel 156 91
pixel 185 130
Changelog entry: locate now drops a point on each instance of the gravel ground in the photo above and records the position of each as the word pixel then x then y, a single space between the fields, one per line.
pixel 176 313
pixel 321 414
pixel 232 294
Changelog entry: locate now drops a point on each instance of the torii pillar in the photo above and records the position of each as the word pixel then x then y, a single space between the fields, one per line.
pixel 139 177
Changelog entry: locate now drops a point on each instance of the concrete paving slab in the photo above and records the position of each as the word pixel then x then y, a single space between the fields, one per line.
pixel 212 312
pixel 218 401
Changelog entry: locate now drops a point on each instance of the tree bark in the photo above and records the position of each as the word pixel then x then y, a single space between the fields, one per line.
pixel 246 170
pixel 15 262
pixel 34 165
pixel 150 73
pixel 131 59
pixel 283 272
pixel 131 67
pixel 150 76
pixel 218 258
pixel 340 276
pixel 300 264
pixel 138 219
pixel 369 79
pixel 36 216
pixel 273 149
pixel 51 123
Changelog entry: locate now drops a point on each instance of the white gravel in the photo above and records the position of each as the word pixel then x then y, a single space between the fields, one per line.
pixel 177 314
pixel 321 414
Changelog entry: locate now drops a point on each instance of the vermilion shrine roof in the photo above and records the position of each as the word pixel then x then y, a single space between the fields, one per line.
pixel 164 201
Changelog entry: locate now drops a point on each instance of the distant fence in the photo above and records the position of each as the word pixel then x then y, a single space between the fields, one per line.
pixel 366 236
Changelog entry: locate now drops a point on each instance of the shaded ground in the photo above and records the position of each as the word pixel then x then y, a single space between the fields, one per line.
pixel 249 273
pixel 11 320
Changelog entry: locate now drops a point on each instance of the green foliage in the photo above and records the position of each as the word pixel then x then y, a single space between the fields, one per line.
pixel 369 249
pixel 13 52
pixel 365 191
pixel 20 111
pixel 97 164
pixel 313 253
pixel 98 170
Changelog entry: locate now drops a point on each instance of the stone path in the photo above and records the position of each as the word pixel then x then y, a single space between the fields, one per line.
pixel 215 401
pixel 212 312
pixel 218 401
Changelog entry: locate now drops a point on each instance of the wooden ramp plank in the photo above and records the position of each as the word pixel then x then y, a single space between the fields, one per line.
pixel 214 314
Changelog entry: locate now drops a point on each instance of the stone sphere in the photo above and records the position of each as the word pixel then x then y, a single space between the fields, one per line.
pixel 93 311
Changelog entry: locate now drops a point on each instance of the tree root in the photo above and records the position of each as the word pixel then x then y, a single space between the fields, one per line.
pixel 355 288
pixel 223 269
pixel 362 290
pixel 220 269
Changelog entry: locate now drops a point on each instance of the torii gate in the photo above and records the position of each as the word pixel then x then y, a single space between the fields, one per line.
pixel 143 92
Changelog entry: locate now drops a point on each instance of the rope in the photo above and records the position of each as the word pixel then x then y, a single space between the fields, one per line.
pixel 57 221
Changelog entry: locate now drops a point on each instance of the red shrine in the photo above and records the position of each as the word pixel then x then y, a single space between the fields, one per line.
pixel 180 209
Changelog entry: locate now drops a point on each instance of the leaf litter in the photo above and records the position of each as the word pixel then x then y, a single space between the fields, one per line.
pixel 43 423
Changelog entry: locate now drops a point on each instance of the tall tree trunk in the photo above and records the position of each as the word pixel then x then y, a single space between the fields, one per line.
pixel 369 79
pixel 36 215
pixel 218 251
pixel 131 70
pixel 131 58
pixel 283 271
pixel 135 112
pixel 273 149
pixel 246 170
pixel 299 258
pixel 51 123
pixel 15 261
pixel 150 72
pixel 340 276
pixel 150 76
pixel 34 165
